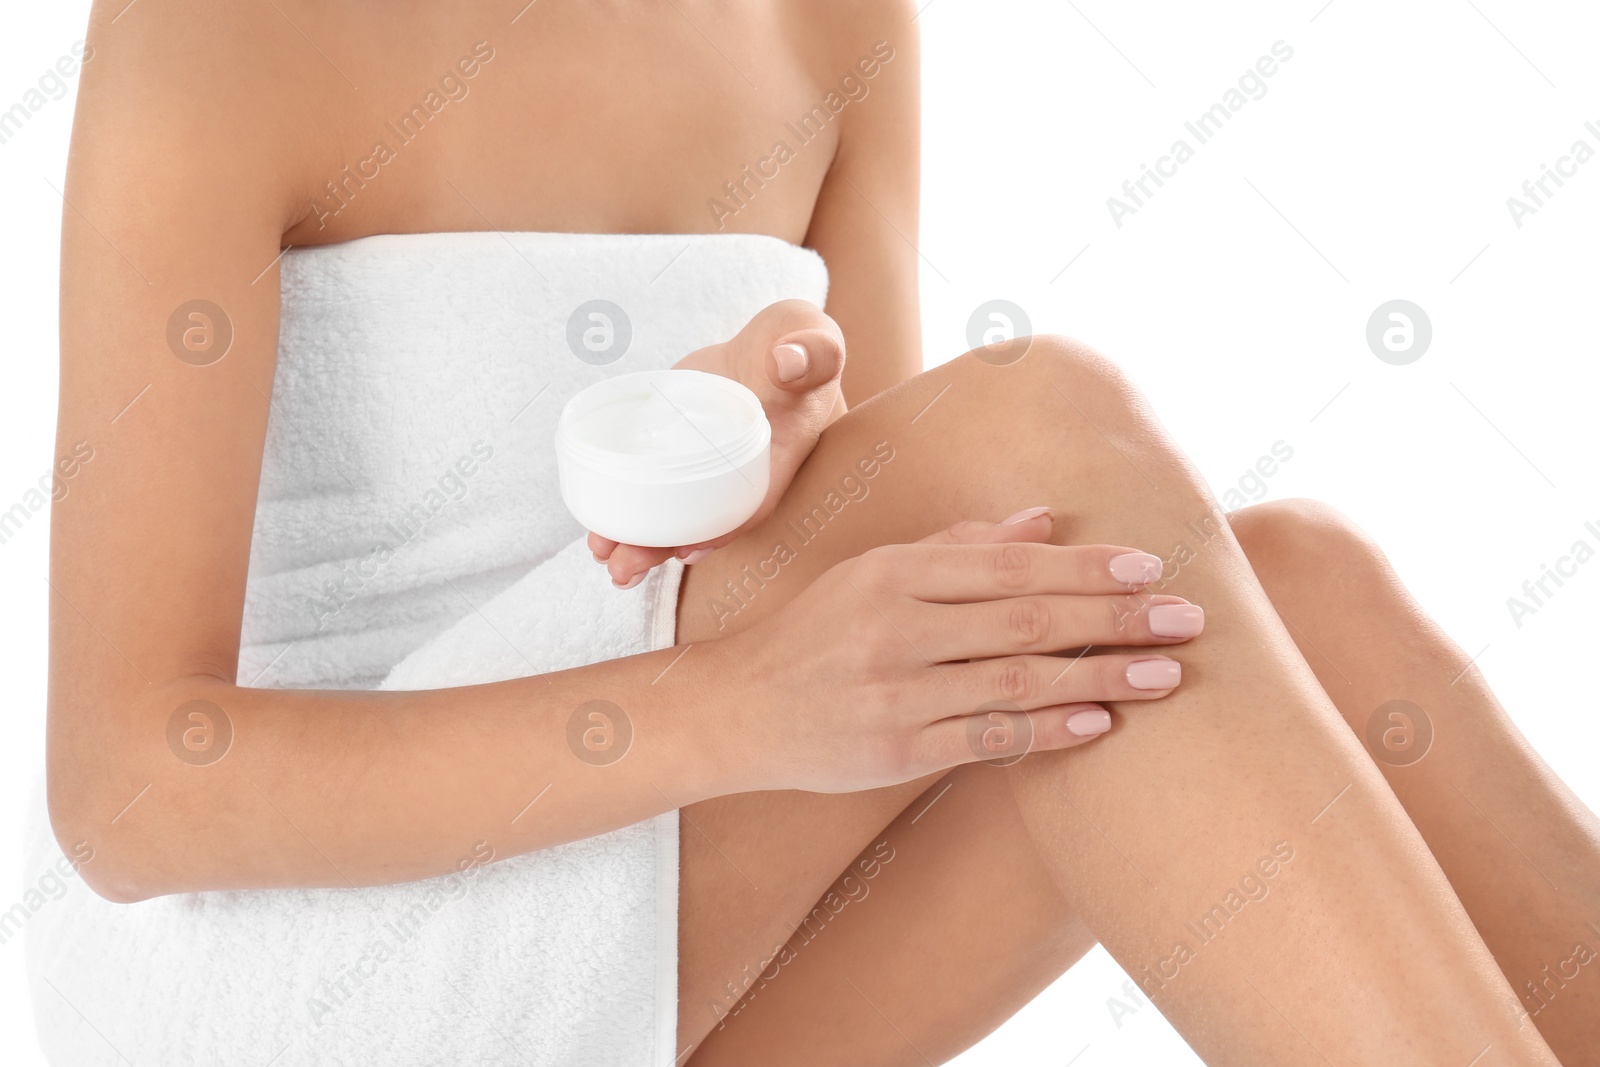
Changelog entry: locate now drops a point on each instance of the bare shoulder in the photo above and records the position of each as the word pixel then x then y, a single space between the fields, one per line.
pixel 861 48
pixel 845 33
pixel 181 98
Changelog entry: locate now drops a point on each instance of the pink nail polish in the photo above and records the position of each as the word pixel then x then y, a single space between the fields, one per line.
pixel 1177 620
pixel 1026 514
pixel 1154 673
pixel 699 555
pixel 635 580
pixel 792 362
pixel 1136 568
pixel 1088 723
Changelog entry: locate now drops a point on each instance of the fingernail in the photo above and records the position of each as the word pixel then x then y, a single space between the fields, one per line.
pixel 1177 620
pixel 1136 568
pixel 1154 673
pixel 697 556
pixel 1088 723
pixel 1026 514
pixel 792 362
pixel 635 580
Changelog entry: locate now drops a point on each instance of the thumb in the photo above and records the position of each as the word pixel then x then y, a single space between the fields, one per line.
pixel 803 360
pixel 1030 524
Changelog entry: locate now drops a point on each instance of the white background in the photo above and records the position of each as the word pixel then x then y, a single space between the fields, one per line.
pixel 1377 166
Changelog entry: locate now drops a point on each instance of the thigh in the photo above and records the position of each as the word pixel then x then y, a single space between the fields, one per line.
pixel 942 927
pixel 755 865
pixel 751 867
pixel 965 925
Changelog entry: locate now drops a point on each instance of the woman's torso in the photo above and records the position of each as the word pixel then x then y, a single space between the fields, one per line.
pixel 471 122
pixel 593 117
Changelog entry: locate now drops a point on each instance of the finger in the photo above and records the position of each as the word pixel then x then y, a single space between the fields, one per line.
pixel 801 361
pixel 964 573
pixel 1050 623
pixel 633 564
pixel 1035 681
pixel 1008 735
pixel 1029 524
pixel 601 547
pixel 802 323
pixel 891 570
pixel 692 554
pixel 630 563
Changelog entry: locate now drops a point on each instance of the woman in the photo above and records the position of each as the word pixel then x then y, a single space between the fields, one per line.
pixel 974 562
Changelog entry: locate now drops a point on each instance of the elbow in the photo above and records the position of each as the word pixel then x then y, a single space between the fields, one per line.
pixel 100 848
pixel 99 867
pixel 120 813
pixel 115 807
pixel 117 891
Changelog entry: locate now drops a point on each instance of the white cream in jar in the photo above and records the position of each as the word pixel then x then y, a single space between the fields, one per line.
pixel 663 458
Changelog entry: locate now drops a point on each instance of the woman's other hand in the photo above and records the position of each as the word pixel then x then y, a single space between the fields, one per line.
pixel 909 659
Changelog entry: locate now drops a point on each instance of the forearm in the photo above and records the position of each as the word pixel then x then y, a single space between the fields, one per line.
pixel 350 788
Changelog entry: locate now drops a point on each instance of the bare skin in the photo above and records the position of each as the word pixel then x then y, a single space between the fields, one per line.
pixel 1133 863
pixel 973 868
pixel 1155 820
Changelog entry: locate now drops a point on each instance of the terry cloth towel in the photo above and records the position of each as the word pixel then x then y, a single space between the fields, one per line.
pixel 409 521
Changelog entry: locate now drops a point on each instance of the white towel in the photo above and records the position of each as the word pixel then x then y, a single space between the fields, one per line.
pixel 409 515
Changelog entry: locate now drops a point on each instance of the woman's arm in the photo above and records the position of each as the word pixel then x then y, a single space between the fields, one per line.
pixel 865 220
pixel 183 197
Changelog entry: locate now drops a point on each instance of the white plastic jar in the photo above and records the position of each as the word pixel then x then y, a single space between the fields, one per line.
pixel 663 458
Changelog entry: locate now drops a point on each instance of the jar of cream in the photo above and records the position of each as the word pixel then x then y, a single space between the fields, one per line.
pixel 663 458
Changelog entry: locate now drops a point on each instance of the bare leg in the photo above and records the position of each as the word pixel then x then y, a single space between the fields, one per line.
pixel 1522 852
pixel 946 915
pixel 1359 951
pixel 958 852
pixel 960 856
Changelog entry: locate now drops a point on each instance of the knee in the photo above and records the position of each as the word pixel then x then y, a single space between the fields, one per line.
pixel 1077 370
pixel 1062 413
pixel 1057 380
pixel 1301 533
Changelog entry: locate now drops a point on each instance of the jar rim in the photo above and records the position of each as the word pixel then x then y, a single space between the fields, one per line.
pixel 736 450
